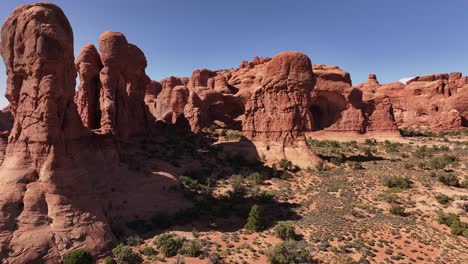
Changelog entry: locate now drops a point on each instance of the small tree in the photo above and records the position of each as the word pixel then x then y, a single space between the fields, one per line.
pixel 289 252
pixel 255 220
pixel 78 256
pixel 285 231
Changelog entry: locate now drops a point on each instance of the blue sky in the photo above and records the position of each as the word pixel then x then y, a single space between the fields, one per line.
pixel 394 39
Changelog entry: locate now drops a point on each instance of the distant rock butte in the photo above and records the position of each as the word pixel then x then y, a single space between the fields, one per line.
pixel 55 193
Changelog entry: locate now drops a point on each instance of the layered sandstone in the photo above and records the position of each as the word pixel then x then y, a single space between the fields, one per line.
pixel 38 221
pixel 279 109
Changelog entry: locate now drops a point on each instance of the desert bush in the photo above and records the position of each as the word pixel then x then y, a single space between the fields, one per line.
pixel 215 258
pixel 255 220
pixel 451 220
pixel 235 135
pixel 78 256
pixel 223 132
pixel 191 249
pixel 148 251
pixel 212 128
pixel 443 199
pixel 168 244
pixel 285 231
pixel 441 162
pixel 236 184
pixel 256 178
pixel 285 164
pixel 289 252
pixel 109 260
pixel 397 210
pixel 397 182
pixel 124 255
pixel 423 152
pixel 389 197
pixel 448 179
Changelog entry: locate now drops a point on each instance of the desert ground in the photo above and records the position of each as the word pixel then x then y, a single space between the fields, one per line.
pixel 373 200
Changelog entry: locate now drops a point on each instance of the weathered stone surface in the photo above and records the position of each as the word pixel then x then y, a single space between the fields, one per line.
pixel 434 102
pixel 89 65
pixel 38 220
pixel 279 109
pixel 123 86
pixel 6 120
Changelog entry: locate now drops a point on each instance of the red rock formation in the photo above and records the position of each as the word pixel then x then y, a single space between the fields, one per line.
pixel 205 106
pixel 123 86
pixel 434 102
pixel 170 101
pixel 6 120
pixel 89 65
pixel 152 91
pixel 279 109
pixel 38 221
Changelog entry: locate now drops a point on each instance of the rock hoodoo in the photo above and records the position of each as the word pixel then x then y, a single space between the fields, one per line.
pixel 279 108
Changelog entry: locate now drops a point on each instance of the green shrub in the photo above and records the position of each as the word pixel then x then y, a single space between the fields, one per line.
pixel 285 231
pixel 212 128
pixel 149 251
pixel 441 162
pixel 78 256
pixel 215 258
pixel 289 252
pixel 448 179
pixel 168 244
pixel 451 220
pixel 236 184
pixel 192 249
pixel 389 197
pixel 442 199
pixel 124 255
pixel 397 182
pixel 256 178
pixel 285 164
pixel 255 220
pixel 397 210
pixel 109 260
pixel 223 132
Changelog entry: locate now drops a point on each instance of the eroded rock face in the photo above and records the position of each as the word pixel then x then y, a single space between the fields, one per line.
pixel 123 86
pixel 279 109
pixel 89 65
pixel 6 120
pixel 430 103
pixel 38 220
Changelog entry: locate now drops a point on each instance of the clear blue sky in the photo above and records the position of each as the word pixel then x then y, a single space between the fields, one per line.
pixel 394 39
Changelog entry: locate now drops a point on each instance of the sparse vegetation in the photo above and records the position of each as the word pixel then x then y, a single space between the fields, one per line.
pixel 285 231
pixel 256 178
pixel 78 256
pixel 448 179
pixel 397 182
pixel 124 255
pixel 169 244
pixel 451 220
pixel 397 210
pixel 443 199
pixel 290 252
